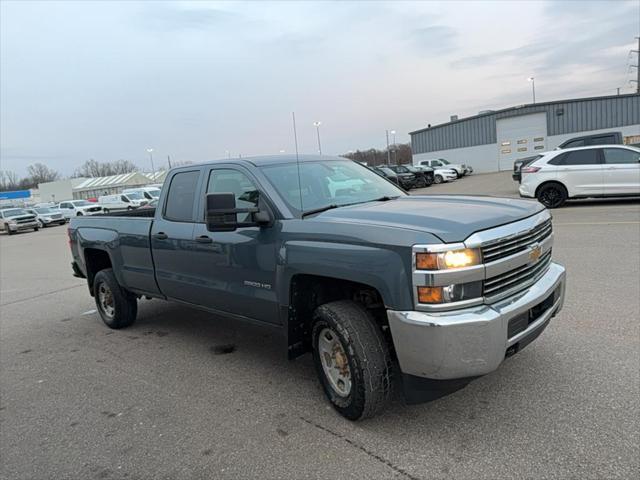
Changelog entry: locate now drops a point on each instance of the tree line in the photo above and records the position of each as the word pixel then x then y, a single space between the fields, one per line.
pixel 40 173
pixel 396 154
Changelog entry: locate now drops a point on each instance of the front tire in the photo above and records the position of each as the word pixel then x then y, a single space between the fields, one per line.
pixel 352 359
pixel 79 214
pixel 41 224
pixel 437 179
pixel 117 307
pixel 552 195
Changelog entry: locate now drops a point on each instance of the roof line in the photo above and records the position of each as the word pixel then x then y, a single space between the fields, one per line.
pixel 517 107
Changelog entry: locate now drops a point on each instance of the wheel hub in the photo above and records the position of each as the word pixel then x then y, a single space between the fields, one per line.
pixel 335 362
pixel 105 300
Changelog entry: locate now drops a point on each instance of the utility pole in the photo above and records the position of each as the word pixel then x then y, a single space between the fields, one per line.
pixel 169 161
pixel 153 170
pixel 388 151
pixel 637 66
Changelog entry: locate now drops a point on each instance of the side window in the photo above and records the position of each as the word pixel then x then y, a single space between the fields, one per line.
pixel 436 163
pixel 603 140
pixel 64 205
pixel 181 196
pixel 620 156
pixel 575 143
pixel 579 157
pixel 124 199
pixel 226 180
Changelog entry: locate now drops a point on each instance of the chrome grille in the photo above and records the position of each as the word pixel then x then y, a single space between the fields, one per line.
pixel 25 219
pixel 516 279
pixel 504 247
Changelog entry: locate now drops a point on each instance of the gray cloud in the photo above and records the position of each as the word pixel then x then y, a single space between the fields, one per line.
pixel 434 39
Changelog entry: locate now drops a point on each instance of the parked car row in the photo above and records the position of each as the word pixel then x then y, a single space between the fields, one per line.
pixel 424 174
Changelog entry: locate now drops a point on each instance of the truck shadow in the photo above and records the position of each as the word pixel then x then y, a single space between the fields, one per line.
pixel 258 355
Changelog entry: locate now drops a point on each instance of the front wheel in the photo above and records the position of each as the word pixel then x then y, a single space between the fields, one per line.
pixel 437 179
pixel 105 211
pixel 79 214
pixel 41 224
pixel 35 229
pixel 352 359
pixel 552 195
pixel 117 307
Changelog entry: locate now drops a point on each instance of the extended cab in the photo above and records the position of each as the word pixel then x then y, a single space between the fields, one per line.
pixel 379 285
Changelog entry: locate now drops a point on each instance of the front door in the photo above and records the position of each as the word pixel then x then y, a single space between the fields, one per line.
pixel 621 171
pixel 236 270
pixel 172 238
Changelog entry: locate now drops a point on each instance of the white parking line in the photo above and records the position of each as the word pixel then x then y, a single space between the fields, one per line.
pixel 89 312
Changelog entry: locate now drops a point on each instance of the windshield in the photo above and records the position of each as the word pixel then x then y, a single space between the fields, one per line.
pixel 44 210
pixel 444 161
pixel 14 212
pixel 328 183
pixel 154 193
pixel 135 195
pixel 81 203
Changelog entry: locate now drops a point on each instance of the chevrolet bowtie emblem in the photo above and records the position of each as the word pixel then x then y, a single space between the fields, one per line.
pixel 535 253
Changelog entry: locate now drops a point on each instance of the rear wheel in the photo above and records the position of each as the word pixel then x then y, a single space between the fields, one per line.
pixel 117 307
pixel 35 229
pixel 41 223
pixel 437 179
pixel 79 214
pixel 352 359
pixel 106 211
pixel 552 195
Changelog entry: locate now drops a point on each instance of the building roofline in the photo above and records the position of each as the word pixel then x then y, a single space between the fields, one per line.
pixel 517 107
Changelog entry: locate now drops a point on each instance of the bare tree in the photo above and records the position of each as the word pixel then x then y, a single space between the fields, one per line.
pixel 400 153
pixel 8 180
pixel 40 173
pixel 93 168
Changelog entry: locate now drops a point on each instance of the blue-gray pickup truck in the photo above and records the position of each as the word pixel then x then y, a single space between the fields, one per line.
pixel 382 287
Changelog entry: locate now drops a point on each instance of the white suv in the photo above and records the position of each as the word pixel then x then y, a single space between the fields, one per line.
pixel 596 171
pixel 77 208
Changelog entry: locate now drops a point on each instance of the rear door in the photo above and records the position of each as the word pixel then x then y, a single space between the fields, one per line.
pixel 172 237
pixel 581 171
pixel 621 171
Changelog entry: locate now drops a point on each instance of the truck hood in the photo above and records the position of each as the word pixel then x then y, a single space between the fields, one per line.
pixel 451 218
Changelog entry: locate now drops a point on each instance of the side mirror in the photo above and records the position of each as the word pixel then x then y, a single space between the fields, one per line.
pixel 222 214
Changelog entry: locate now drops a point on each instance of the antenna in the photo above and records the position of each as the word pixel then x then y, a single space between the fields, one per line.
pixel 295 139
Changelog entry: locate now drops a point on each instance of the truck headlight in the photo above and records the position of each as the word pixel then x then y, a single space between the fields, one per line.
pixel 450 293
pixel 12 222
pixel 459 258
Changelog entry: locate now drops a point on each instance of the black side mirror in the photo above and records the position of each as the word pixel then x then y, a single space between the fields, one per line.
pixel 222 213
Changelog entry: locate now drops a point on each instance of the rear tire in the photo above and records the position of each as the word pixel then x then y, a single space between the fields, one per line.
pixel 35 229
pixel 105 211
pixel 79 214
pixel 437 179
pixel 117 307
pixel 352 359
pixel 552 195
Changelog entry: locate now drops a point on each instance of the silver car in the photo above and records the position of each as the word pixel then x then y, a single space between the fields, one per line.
pixel 13 220
pixel 47 216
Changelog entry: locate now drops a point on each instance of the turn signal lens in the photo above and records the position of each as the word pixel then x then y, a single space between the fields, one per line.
pixel 430 294
pixel 450 259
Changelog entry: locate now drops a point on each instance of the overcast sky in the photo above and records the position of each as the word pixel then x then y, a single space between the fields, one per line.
pixel 84 80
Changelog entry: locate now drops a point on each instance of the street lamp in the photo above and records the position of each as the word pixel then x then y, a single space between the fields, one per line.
pixel 153 170
pixel 533 86
pixel 228 153
pixel 395 156
pixel 317 125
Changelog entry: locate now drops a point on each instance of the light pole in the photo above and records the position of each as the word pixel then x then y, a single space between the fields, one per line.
pixel 228 154
pixel 395 155
pixel 388 151
pixel 533 86
pixel 153 170
pixel 317 125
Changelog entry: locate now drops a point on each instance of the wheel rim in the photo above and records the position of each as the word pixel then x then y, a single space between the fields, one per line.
pixel 105 300
pixel 335 363
pixel 438 179
pixel 550 196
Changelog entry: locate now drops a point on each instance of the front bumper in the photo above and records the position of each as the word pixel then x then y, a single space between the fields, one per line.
pixel 23 226
pixel 473 341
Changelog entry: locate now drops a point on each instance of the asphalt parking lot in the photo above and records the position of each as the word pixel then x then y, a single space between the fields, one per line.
pixel 184 394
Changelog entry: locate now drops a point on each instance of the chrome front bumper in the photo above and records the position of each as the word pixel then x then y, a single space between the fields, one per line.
pixel 473 341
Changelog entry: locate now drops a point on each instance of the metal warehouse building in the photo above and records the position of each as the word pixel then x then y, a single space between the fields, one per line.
pixel 493 140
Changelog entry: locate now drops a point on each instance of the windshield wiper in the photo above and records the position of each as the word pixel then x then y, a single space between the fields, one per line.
pixel 321 209
pixel 333 205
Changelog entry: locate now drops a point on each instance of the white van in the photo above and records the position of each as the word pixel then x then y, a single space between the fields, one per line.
pixel 150 193
pixel 122 201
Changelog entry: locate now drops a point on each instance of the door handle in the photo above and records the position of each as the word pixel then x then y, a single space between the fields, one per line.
pixel 161 236
pixel 203 239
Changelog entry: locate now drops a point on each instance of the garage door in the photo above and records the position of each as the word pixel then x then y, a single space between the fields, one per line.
pixel 520 137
